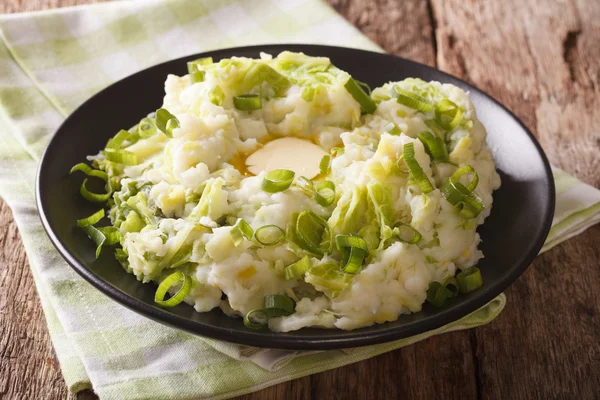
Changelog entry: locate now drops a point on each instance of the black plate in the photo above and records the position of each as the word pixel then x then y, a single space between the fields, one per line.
pixel 511 237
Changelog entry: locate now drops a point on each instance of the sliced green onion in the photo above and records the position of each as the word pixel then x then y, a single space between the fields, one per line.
pixel 91 196
pixel 89 171
pixel 120 156
pixel 277 305
pixel 448 115
pixel 306 185
pixel 337 151
pixel 92 219
pixel 401 165
pixel 415 169
pixel 325 193
pixel 452 286
pixel 269 235
pixel 199 62
pixel 97 237
pixel 217 96
pixel 435 146
pixel 297 269
pixel 437 294
pixel 146 128
pixel 469 280
pixel 412 100
pixel 343 241
pixel 406 233
pixel 163 288
pixel 352 263
pixel 324 164
pixel 354 250
pixel 277 180
pixel 367 104
pixel 392 129
pixel 247 102
pixel 468 203
pixel 197 74
pixel 240 231
pixel 466 169
pixel 166 122
pixel 113 235
pixel 312 233
pixel 256 319
pixel 118 139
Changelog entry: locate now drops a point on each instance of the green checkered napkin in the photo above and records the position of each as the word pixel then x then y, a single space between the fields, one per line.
pixel 50 63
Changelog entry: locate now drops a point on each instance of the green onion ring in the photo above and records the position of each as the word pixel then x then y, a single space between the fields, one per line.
pixel 256 319
pixel 97 237
pixel 367 104
pixel 117 141
pixel 448 115
pixel 277 180
pixel 468 203
pixel 469 280
pixel 93 197
pixel 466 169
pixel 166 122
pixel 416 235
pixel 452 285
pixel 354 250
pixel 277 305
pixel 92 219
pixel 415 169
pixel 89 171
pixel 437 294
pixel 240 231
pixel 120 156
pixel 435 146
pixel 113 235
pixel 412 100
pixel 325 193
pixel 297 268
pixel 247 102
pixel 166 284
pixel 269 235
pixel 324 164
pixel 146 128
pixel 353 260
pixel 342 241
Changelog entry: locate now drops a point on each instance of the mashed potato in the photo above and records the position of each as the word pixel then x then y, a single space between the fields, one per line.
pixel 183 192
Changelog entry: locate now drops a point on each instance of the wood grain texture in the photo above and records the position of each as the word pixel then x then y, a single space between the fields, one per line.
pixel 544 64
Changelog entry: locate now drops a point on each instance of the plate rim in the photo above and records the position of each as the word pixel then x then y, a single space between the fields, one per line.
pixel 344 339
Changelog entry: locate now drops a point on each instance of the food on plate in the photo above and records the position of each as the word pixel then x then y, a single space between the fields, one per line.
pixel 285 192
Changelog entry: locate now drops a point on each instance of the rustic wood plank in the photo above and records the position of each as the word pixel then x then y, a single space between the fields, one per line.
pixel 28 365
pixel 401 27
pixel 542 62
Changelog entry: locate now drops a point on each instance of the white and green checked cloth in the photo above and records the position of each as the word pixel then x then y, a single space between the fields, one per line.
pixel 51 62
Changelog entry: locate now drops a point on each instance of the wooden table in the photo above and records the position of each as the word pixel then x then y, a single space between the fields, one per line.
pixel 543 62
